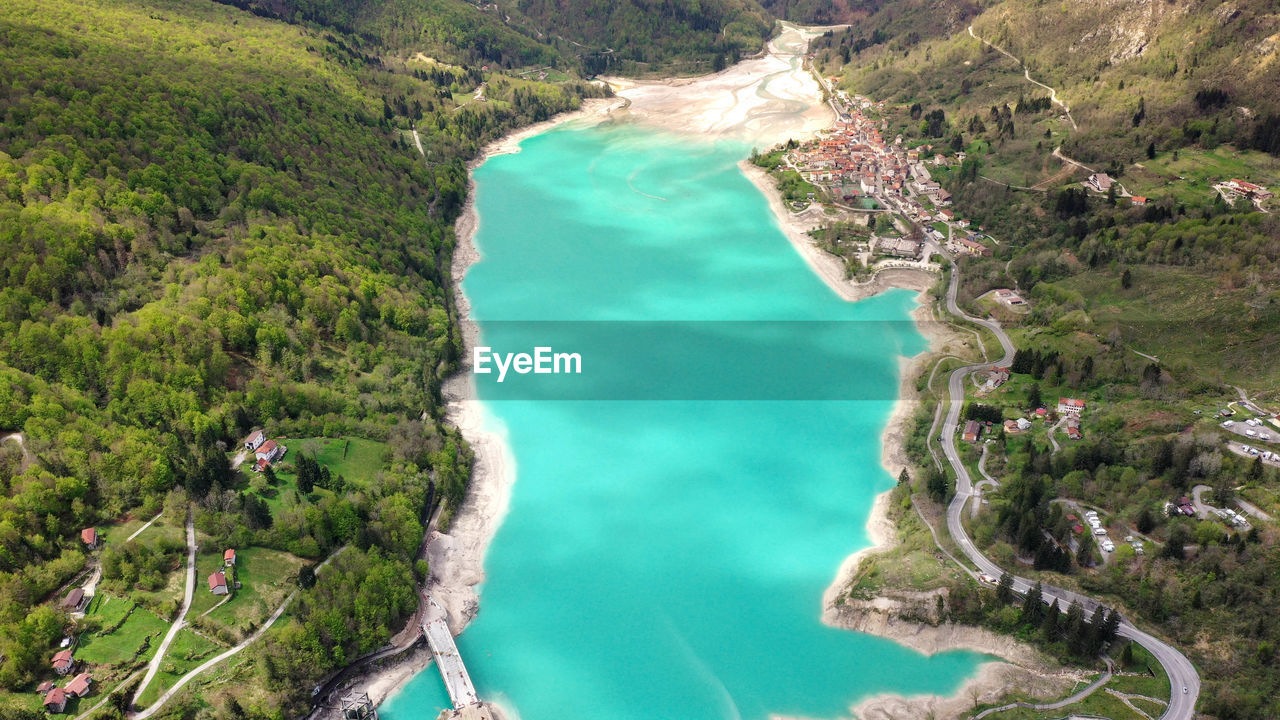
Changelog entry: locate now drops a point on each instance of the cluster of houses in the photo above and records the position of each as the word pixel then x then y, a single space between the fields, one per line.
pixel 265 451
pixel 55 698
pixel 218 584
pixel 853 161
pixel 1069 409
pixel 1247 190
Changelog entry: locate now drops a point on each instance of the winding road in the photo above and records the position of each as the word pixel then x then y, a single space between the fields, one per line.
pixel 154 666
pixel 1182 674
pixel 160 701
pixel 1026 73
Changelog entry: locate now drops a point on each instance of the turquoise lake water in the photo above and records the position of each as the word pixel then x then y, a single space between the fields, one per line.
pixel 667 558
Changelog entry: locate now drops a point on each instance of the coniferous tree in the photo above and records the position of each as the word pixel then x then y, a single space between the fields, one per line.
pixel 1033 605
pixel 1049 625
pixel 1074 627
pixel 1097 627
pixel 1033 396
pixel 1004 590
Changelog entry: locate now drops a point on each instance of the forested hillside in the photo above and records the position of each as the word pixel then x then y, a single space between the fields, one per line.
pixel 1154 293
pixel 213 221
pixel 634 36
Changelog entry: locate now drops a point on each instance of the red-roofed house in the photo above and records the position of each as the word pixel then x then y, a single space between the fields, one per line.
pixel 218 584
pixel 79 687
pixel 1138 200
pixel 89 536
pixel 270 451
pixel 44 687
pixel 1070 405
pixel 971 431
pixel 63 663
pixel 56 700
pixel 1073 432
pixel 229 557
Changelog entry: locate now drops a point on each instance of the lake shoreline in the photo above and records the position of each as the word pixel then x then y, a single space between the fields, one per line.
pixel 1023 667
pixel 457 556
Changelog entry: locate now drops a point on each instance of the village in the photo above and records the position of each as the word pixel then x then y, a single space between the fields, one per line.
pixel 143 640
pixel 861 173
pixel 1050 422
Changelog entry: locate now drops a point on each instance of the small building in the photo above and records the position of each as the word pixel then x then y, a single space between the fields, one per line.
pixel 63 663
pixel 1074 432
pixel 218 583
pixel 1011 427
pixel 270 451
pixel 79 687
pixel 1138 200
pixel 1009 297
pixel 971 431
pixel 1070 406
pixel 55 701
pixel 89 536
pixel 1100 181
pixel 973 247
pixel 255 440
pixel 229 557
pixel 74 601
pixel 900 247
pixel 1023 424
pixel 44 687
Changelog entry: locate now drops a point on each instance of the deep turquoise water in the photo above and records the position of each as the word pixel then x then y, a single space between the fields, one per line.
pixel 667 559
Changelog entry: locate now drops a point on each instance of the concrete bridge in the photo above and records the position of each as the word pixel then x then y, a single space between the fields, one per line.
pixel 435 625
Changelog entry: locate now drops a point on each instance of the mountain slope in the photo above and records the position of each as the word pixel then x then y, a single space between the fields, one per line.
pixel 685 36
pixel 213 221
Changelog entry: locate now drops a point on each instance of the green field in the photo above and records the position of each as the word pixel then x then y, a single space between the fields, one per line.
pixel 121 645
pixel 1190 177
pixel 266 579
pixel 1225 321
pixel 187 651
pixel 357 460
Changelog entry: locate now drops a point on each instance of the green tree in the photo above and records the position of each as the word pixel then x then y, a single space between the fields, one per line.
pixel 1049 625
pixel 1086 555
pixel 1004 589
pixel 1033 606
pixel 1033 396
pixel 307 577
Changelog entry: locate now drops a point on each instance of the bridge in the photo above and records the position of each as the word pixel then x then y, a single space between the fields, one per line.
pixel 435 626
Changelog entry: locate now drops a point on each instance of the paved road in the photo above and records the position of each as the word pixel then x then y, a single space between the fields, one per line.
pixel 1182 674
pixel 188 594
